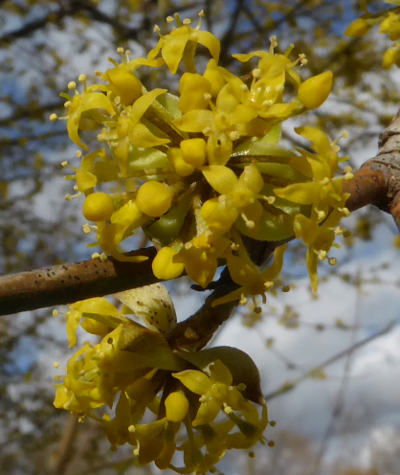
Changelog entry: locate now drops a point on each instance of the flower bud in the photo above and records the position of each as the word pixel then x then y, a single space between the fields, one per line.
pixel 194 152
pixel 357 29
pixel 176 406
pixel 314 91
pixel 154 198
pixel 163 265
pixel 182 167
pixel 98 207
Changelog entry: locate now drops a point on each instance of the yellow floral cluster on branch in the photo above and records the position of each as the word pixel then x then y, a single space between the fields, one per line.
pixel 200 169
pixel 389 21
pixel 198 404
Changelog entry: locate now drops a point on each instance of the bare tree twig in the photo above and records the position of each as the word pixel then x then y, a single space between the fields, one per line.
pixel 59 464
pixel 289 386
pixel 61 284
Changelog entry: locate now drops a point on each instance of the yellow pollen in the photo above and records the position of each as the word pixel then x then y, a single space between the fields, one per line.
pixel 228 410
pixel 156 29
pixel 348 176
pixel 131 428
pixel 56 364
pixel 55 313
pixel 53 117
pixel 332 261
pixel 339 230
pixel 345 134
pixel 71 85
pixel 256 72
pixel 169 19
pixel 206 130
pixel 120 50
pixel 201 13
pixel 345 211
pixel 321 254
pixel 267 103
pixel 243 300
pixel 187 21
pixel 64 163
pixel 249 223
pixel 82 78
pixel 271 199
pixel 78 154
pixel 321 214
pixel 234 135
pixel 67 104
pixel 95 255
pixel 86 228
pixel 207 96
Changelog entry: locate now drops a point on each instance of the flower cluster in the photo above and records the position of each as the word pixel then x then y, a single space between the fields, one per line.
pixel 389 21
pixel 160 400
pixel 199 170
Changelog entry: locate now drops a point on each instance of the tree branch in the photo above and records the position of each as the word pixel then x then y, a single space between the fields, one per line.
pixel 62 284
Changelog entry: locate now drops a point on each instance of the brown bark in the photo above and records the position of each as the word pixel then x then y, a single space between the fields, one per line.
pixel 61 284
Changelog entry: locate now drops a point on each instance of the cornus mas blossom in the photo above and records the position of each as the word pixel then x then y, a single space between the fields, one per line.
pixel 199 171
pixel 147 395
pixel 389 25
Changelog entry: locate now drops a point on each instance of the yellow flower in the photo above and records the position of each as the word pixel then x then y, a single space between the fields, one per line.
pixel 217 393
pixel 252 281
pixel 357 28
pixel 323 191
pixel 200 256
pixel 181 44
pixel 87 103
pixel 238 196
pixel 318 237
pixel 391 26
pixel 124 84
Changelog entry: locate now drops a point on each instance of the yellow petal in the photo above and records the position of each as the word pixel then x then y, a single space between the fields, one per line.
pixel 221 178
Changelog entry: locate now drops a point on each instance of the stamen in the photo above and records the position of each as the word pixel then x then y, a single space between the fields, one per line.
pixel 71 85
pixel 249 223
pixel 234 135
pixel 53 117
